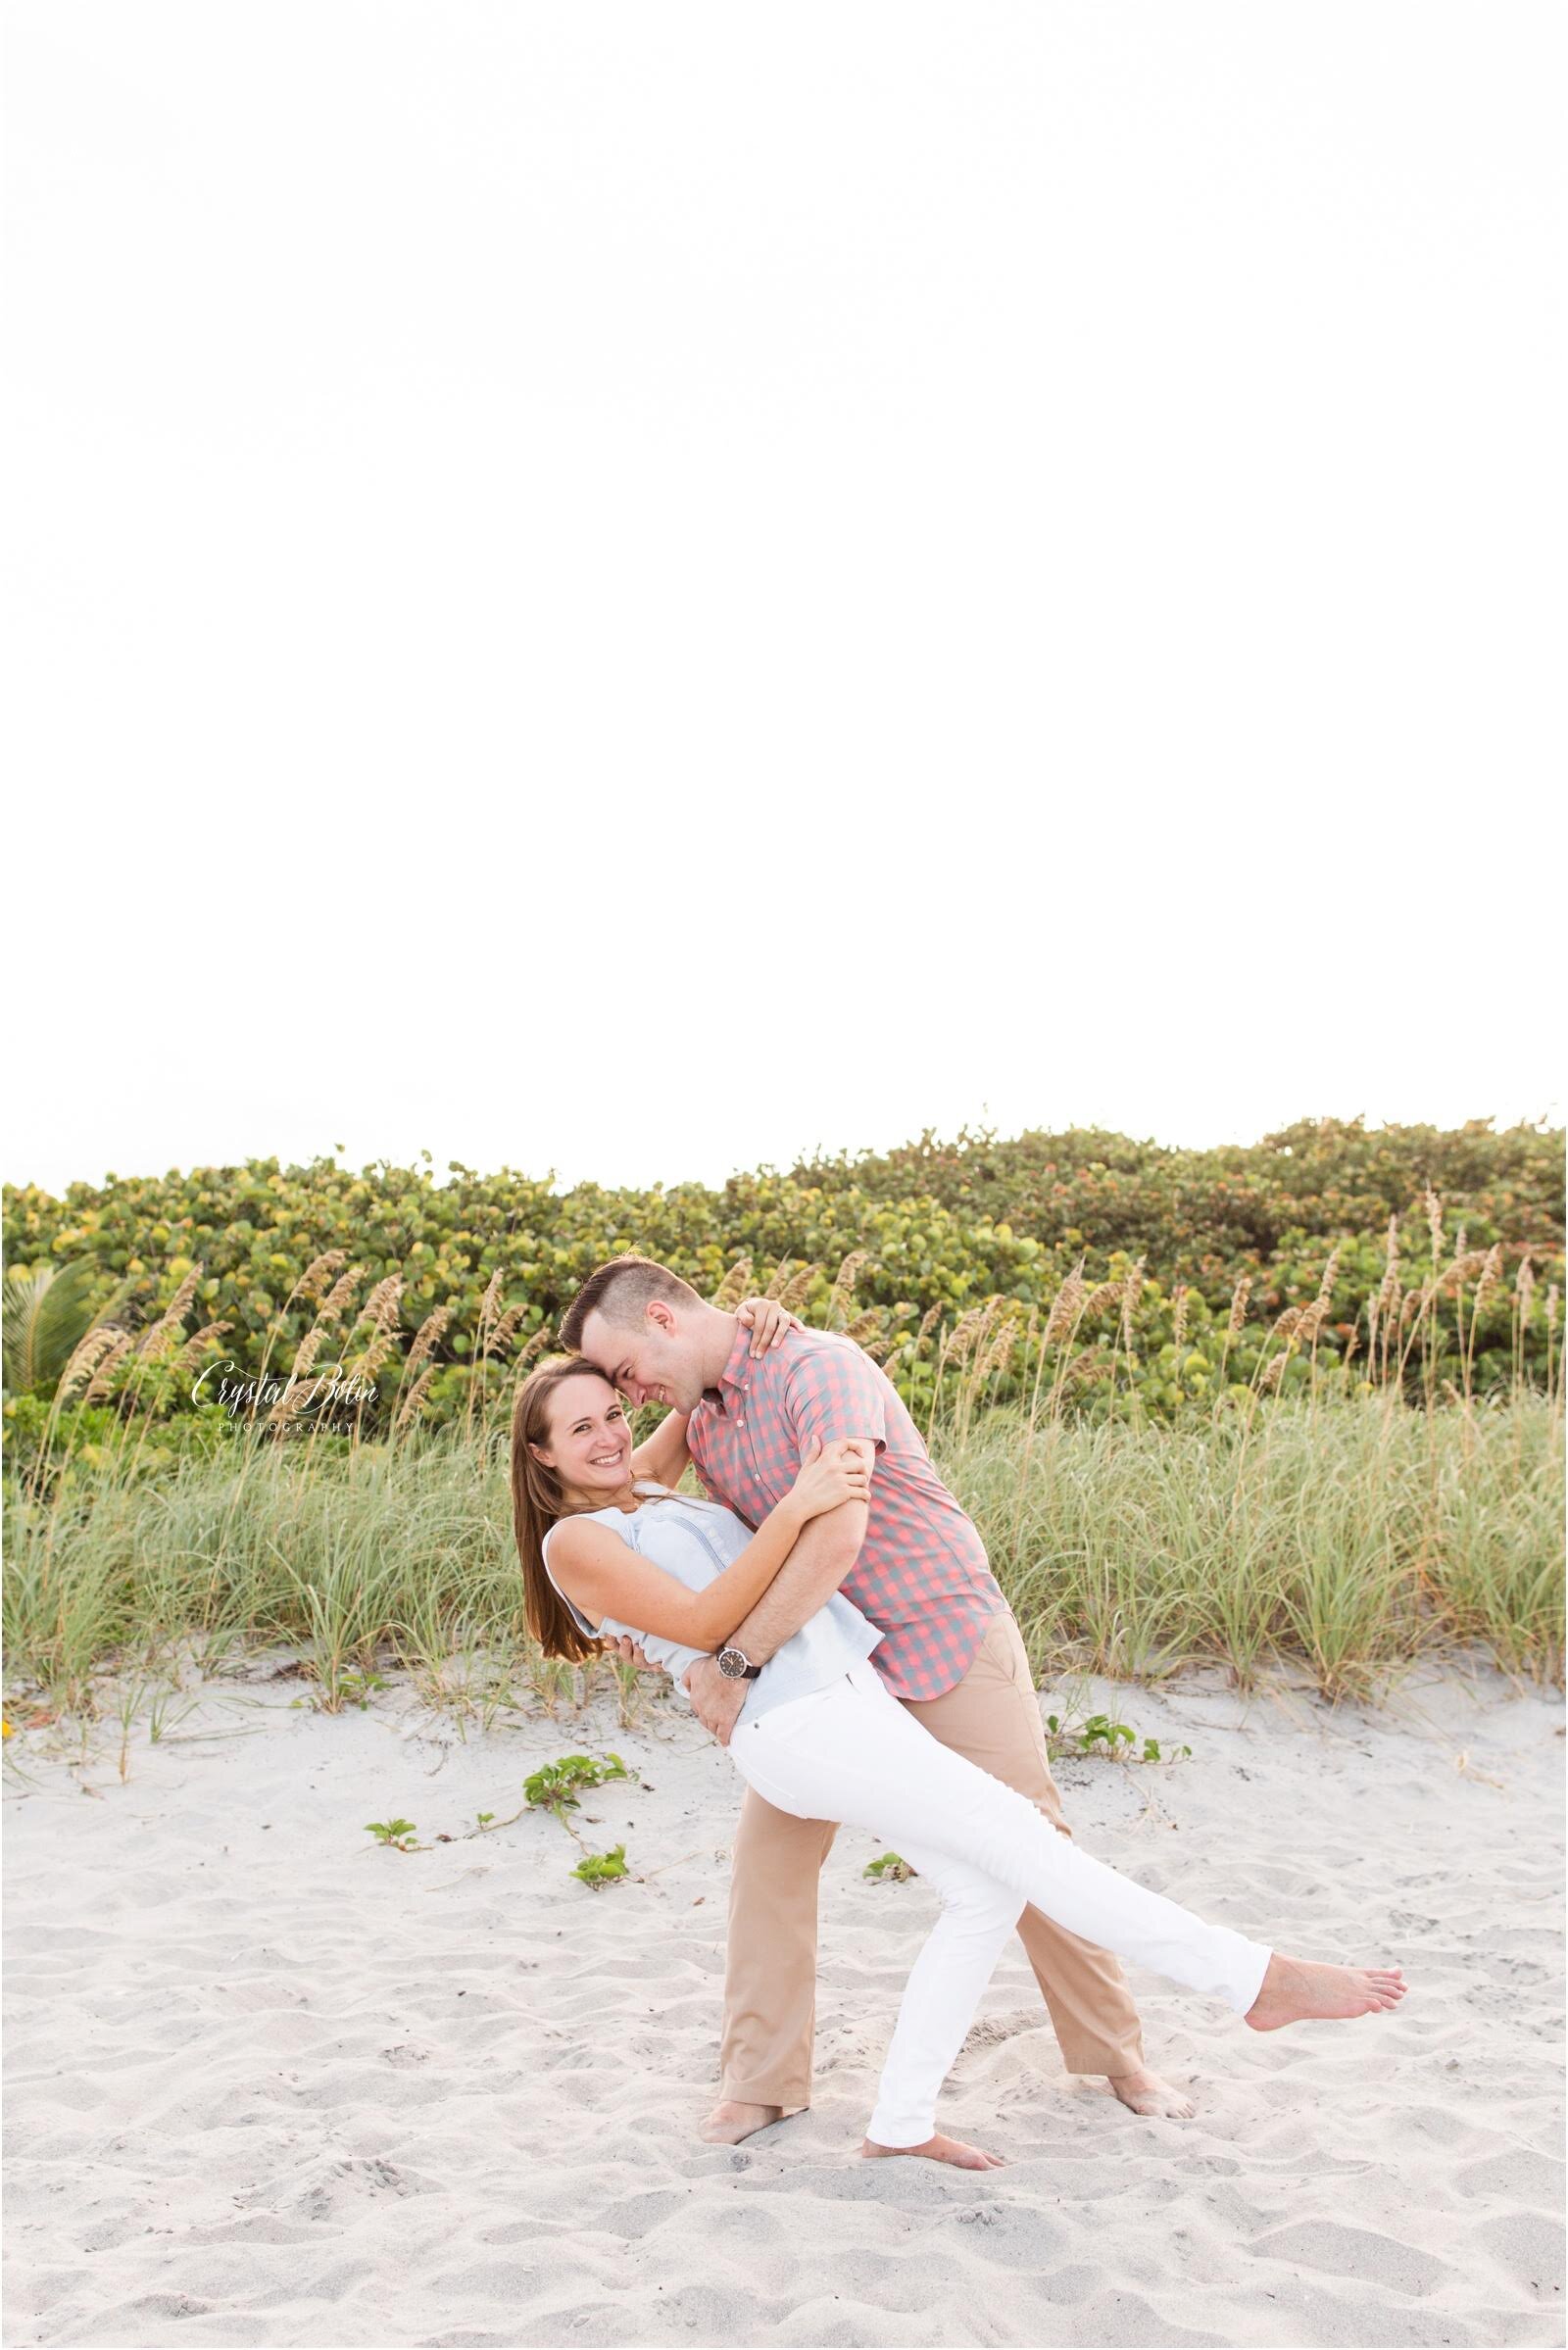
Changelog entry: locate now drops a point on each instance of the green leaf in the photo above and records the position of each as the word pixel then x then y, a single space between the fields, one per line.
pixel 599 1869
pixel 891 1865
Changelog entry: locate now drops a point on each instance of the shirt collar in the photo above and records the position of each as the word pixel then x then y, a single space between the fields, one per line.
pixel 738 1370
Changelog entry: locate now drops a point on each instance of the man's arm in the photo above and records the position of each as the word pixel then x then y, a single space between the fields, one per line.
pixel 827 1548
pixel 824 1551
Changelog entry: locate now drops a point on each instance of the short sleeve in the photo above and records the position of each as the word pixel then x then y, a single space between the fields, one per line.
pixel 833 1392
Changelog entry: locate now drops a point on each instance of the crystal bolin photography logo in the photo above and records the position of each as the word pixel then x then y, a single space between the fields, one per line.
pixel 285 1396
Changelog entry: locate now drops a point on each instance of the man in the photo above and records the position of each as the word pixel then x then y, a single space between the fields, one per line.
pixel 910 1560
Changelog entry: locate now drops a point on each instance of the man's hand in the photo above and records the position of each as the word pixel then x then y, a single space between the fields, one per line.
pixel 716 1700
pixel 630 1652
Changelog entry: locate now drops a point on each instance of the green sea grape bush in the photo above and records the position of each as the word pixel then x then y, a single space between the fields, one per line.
pixel 429 1298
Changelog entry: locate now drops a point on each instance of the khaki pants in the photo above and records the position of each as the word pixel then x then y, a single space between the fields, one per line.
pixel 992 1717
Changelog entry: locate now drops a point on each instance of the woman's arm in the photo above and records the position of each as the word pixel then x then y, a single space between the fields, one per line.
pixel 606 1577
pixel 663 1458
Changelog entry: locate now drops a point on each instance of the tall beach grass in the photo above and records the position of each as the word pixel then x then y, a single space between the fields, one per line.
pixel 1346 1536
pixel 1323 1518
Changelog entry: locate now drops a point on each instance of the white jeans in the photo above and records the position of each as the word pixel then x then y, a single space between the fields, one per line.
pixel 849 1752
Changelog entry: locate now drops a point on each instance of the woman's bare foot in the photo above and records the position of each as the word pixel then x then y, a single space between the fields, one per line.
pixel 1296 1989
pixel 1145 2094
pixel 941 2149
pixel 730 2121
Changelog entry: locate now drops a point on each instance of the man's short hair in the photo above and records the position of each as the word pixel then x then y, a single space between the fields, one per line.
pixel 620 1291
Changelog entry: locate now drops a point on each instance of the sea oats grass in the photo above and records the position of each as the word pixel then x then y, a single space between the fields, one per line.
pixel 1346 1536
pixel 1349 1537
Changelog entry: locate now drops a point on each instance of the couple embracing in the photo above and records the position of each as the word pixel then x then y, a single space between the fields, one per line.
pixel 830 1613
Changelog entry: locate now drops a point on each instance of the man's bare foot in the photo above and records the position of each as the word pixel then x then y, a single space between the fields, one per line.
pixel 941 2149
pixel 1145 2094
pixel 730 2122
pixel 1297 1988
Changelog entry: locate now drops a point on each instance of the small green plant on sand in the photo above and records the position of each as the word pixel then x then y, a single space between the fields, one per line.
pixel 167 1708
pixel 1099 1735
pixel 599 1869
pixel 358 1688
pixel 342 1688
pixel 127 1702
pixel 555 1787
pixel 891 1866
pixel 395 1834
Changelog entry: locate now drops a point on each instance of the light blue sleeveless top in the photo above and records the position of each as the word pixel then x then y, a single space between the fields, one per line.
pixel 695 1541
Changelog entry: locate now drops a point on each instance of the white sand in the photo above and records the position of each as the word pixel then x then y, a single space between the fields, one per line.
pixel 269 2084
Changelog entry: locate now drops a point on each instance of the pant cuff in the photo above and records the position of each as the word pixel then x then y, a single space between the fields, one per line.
pixel 1249 1976
pixel 899 2130
pixel 1112 2062
pixel 792 2095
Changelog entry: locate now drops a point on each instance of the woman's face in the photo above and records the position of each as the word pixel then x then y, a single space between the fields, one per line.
pixel 590 1443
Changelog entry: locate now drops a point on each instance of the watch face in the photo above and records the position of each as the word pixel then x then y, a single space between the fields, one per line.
pixel 733 1664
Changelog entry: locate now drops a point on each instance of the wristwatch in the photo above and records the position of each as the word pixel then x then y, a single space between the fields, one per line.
pixel 736 1665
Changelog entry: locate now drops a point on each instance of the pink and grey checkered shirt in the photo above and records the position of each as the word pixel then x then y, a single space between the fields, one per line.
pixel 922 1576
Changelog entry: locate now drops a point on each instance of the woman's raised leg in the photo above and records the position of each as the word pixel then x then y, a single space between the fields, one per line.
pixel 857 1757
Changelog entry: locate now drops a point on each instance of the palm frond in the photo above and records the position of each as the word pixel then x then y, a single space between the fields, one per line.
pixel 48 1312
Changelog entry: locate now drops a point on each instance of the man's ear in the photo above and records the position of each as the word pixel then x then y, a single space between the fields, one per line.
pixel 659 1314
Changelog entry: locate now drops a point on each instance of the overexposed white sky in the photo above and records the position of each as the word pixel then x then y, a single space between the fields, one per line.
pixel 638 589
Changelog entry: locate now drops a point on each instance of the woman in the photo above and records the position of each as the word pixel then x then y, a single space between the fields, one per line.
pixel 610 1552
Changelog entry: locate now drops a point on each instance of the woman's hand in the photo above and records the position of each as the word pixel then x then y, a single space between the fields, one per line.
pixel 630 1652
pixel 831 1474
pixel 768 1321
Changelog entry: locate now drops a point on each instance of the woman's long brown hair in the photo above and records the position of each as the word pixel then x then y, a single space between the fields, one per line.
pixel 536 1506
